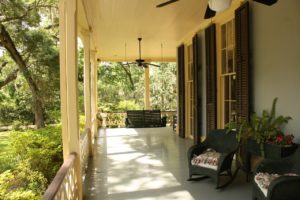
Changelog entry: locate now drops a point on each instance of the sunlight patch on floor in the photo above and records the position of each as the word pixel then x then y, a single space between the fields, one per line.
pixel 178 195
pixel 134 169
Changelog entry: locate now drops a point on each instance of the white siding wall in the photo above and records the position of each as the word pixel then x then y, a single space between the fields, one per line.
pixel 275 42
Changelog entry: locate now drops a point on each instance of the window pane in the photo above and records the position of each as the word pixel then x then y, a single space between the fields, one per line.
pixel 229 34
pixel 224 61
pixel 233 87
pixel 230 60
pixel 223 30
pixel 226 88
pixel 226 112
pixel 233 111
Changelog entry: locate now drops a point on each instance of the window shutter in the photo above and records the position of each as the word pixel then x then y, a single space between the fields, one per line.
pixel 242 62
pixel 242 75
pixel 181 97
pixel 211 78
pixel 197 91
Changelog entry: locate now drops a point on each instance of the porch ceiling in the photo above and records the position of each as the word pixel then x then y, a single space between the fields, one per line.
pixel 116 22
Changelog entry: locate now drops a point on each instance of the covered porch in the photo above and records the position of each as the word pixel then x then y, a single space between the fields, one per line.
pixel 151 163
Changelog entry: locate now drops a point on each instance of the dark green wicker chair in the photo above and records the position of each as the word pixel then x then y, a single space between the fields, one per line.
pixel 285 187
pixel 224 143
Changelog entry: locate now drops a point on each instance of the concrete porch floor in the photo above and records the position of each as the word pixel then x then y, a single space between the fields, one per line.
pixel 149 164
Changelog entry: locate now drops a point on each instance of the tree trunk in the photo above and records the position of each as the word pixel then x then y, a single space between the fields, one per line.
pixel 37 103
pixel 128 73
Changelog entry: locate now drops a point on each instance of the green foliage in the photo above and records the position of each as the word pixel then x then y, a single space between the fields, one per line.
pixel 22 183
pixel 121 87
pixel 33 27
pixel 114 85
pixel 163 87
pixel 6 156
pixel 41 148
pixel 82 123
pixel 260 128
pixel 128 105
pixel 37 155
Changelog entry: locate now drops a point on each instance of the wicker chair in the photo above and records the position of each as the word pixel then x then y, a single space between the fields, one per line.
pixel 225 144
pixel 284 187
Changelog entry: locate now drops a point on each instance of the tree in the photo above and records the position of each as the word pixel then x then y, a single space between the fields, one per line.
pixel 122 86
pixel 119 82
pixel 163 87
pixel 31 43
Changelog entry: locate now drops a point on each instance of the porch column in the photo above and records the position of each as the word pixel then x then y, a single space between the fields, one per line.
pixel 87 79
pixel 87 87
pixel 147 89
pixel 69 84
pixel 94 106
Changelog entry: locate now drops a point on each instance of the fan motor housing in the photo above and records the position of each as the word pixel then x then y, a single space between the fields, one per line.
pixel 266 2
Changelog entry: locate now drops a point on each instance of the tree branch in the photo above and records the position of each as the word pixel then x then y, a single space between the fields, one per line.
pixel 2 66
pixel 128 75
pixel 9 45
pixel 11 77
pixel 26 13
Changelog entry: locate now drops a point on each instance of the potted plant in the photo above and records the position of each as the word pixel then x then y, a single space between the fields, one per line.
pixel 261 131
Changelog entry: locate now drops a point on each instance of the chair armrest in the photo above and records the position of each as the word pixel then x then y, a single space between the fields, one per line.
pixel 285 187
pixel 274 166
pixel 225 159
pixel 195 150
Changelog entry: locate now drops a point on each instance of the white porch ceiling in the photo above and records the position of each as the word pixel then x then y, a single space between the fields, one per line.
pixel 116 22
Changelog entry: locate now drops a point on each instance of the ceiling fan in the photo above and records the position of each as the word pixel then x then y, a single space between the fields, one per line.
pixel 217 5
pixel 140 62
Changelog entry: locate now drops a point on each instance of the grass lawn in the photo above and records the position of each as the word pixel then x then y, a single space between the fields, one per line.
pixel 5 151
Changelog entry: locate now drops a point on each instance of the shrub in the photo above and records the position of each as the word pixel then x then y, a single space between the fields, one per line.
pixel 22 183
pixel 41 148
pixel 52 116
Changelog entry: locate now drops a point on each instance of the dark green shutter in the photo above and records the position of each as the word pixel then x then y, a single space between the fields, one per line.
pixel 181 91
pixel 197 81
pixel 242 75
pixel 211 78
pixel 242 62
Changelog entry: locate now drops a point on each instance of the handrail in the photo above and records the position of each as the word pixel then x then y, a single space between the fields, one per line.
pixel 65 183
pixel 56 184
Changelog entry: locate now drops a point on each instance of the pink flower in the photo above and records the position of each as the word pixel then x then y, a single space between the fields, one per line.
pixel 279 139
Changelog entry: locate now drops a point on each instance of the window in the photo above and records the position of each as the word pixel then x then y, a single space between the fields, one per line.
pixel 190 92
pixel 228 74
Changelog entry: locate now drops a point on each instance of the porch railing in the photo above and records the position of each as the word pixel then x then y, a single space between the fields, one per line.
pixel 65 184
pixel 117 119
pixel 84 150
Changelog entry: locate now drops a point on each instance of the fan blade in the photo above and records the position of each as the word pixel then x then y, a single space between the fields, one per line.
pixel 266 2
pixel 152 64
pixel 209 13
pixel 166 3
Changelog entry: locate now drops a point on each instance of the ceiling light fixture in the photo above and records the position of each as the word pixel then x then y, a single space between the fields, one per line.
pixel 219 5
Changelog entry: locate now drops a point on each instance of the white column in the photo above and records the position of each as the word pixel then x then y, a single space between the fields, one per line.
pixel 69 84
pixel 147 89
pixel 94 106
pixel 87 79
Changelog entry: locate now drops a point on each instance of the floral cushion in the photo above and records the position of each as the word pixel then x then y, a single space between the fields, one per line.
pixel 209 159
pixel 263 180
